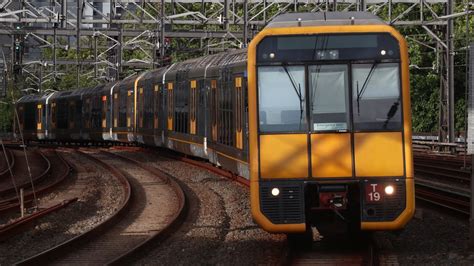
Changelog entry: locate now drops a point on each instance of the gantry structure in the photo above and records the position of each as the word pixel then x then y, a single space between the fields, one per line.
pixel 107 39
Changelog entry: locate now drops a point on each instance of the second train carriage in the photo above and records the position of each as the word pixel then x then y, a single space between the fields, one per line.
pixel 316 113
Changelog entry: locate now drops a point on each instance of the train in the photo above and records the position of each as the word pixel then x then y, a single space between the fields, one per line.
pixel 315 113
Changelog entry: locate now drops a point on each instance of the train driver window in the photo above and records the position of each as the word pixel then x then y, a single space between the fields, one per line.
pixel 376 96
pixel 329 100
pixel 282 99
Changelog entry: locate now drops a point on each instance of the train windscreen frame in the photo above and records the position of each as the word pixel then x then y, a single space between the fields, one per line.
pixel 368 86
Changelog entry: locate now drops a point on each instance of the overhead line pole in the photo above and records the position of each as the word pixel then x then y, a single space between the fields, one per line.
pixel 450 71
pixel 78 38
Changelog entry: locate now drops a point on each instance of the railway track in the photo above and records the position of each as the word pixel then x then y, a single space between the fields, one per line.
pixel 443 181
pixel 6 164
pixel 339 250
pixel 143 215
pixel 58 171
pixel 39 166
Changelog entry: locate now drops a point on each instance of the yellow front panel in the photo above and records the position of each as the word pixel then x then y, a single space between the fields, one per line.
pixel 378 154
pixel 331 155
pixel 284 156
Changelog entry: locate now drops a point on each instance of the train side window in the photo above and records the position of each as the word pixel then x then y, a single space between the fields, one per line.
pixel 225 112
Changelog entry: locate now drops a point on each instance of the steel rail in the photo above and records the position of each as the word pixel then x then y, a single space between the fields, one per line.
pixel 176 220
pixel 27 183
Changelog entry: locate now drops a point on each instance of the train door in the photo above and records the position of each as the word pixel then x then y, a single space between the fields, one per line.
pixel 87 115
pixel 116 103
pixel 213 105
pixel 239 107
pixel 170 98
pixel 72 115
pixel 39 117
pixel 156 107
pixel 104 111
pixel 53 115
pixel 141 107
pixel 130 110
pixel 192 107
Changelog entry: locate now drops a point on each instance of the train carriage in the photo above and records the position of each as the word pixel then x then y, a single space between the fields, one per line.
pixel 67 120
pixel 32 111
pixel 123 109
pixel 330 128
pixel 227 108
pixel 150 108
pixel 95 119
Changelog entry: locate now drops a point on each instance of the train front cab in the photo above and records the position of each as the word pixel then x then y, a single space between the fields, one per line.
pixel 330 127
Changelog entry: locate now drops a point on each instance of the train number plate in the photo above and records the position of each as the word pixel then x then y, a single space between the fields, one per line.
pixel 373 192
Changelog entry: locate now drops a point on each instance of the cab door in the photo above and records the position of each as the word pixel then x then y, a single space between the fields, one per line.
pixel 330 137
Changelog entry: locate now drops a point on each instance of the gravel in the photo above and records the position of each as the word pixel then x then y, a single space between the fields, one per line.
pixel 99 196
pixel 433 237
pixel 218 229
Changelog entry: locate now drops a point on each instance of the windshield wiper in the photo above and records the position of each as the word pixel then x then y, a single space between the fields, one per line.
pixel 364 86
pixel 297 91
pixel 391 113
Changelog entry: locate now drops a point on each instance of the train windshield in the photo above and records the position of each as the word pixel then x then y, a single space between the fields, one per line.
pixel 376 99
pixel 282 98
pixel 328 86
pixel 376 96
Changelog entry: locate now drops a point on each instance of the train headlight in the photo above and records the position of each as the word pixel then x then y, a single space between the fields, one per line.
pixel 383 52
pixel 389 190
pixel 275 192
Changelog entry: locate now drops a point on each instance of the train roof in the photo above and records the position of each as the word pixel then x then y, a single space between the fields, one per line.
pixel 325 19
pixel 33 97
